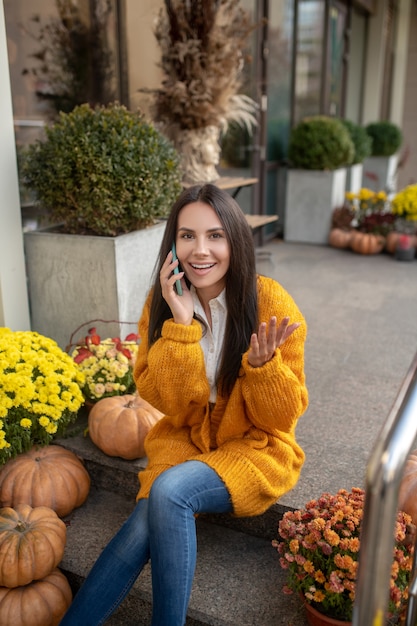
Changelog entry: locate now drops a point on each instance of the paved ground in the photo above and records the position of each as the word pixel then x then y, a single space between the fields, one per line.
pixel 362 318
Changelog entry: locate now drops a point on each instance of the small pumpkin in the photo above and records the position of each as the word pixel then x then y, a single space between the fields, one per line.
pixel 32 543
pixel 407 498
pixel 339 238
pixel 367 243
pixel 50 476
pixel 118 425
pixel 40 603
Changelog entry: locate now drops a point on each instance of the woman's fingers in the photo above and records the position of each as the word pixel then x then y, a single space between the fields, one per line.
pixel 269 337
pixel 181 305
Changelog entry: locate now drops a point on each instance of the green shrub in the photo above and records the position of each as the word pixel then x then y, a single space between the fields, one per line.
pixel 362 142
pixel 103 171
pixel 320 143
pixel 386 138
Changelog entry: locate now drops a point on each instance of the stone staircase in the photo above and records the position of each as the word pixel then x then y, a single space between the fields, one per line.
pixel 238 580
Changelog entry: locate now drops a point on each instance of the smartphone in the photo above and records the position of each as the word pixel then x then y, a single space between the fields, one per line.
pixel 178 285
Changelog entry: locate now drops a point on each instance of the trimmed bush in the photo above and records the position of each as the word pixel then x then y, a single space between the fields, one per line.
pixel 386 138
pixel 102 171
pixel 320 143
pixel 362 142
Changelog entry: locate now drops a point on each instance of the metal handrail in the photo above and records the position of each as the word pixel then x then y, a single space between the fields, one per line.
pixel 383 479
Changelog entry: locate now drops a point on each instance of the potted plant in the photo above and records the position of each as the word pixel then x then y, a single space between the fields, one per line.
pixel 202 60
pixel 380 168
pixel 404 209
pixel 319 150
pixel 40 391
pixel 362 143
pixel 319 547
pixel 107 364
pixel 370 222
pixel 106 178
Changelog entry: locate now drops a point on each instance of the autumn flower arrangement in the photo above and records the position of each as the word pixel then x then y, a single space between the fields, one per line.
pixel 404 203
pixel 40 391
pixel 371 211
pixel 319 548
pixel 107 365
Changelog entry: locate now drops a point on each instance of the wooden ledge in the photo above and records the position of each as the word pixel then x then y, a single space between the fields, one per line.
pixel 257 221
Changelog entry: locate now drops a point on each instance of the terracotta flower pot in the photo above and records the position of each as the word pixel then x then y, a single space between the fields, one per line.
pixel 315 618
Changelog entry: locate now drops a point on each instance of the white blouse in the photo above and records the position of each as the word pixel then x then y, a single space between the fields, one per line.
pixel 212 339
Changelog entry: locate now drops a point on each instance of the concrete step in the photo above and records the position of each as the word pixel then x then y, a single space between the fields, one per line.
pixel 238 580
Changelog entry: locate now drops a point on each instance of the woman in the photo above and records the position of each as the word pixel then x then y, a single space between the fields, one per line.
pixel 222 356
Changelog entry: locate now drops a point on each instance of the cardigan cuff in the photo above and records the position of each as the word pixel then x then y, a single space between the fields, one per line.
pixel 268 369
pixel 181 332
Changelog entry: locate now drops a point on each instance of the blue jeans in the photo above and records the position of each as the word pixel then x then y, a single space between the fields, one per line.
pixel 161 528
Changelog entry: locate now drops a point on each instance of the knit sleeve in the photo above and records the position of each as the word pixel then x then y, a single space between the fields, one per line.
pixel 171 374
pixel 275 394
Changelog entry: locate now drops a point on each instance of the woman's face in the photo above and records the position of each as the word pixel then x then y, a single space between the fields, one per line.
pixel 202 248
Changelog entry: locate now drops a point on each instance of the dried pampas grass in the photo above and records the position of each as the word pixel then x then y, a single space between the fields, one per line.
pixel 202 44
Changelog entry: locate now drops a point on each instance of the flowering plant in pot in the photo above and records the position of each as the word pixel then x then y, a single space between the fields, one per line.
pixel 404 204
pixel 40 391
pixel 366 203
pixel 319 547
pixel 107 365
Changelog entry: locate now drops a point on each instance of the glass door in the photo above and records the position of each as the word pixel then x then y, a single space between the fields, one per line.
pixel 320 58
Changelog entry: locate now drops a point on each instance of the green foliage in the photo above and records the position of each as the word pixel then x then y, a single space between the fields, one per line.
pixel 362 142
pixel 386 138
pixel 103 171
pixel 320 143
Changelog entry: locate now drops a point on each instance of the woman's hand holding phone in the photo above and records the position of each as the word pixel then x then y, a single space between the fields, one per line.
pixel 175 291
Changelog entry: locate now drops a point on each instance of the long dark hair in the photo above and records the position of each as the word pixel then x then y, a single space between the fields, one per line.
pixel 241 292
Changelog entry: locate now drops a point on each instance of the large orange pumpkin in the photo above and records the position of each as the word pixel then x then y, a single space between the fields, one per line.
pixel 367 243
pixel 32 543
pixel 50 476
pixel 407 499
pixel 118 425
pixel 41 603
pixel 339 238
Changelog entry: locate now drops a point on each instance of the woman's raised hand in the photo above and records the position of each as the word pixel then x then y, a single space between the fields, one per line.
pixel 181 306
pixel 264 343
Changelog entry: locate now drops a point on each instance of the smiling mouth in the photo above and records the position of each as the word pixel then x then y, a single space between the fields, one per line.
pixel 203 266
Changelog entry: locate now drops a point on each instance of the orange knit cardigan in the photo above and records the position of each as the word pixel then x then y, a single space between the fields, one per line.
pixel 248 438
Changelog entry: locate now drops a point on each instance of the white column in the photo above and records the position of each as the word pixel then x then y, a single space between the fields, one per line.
pixel 374 65
pixel 14 305
pixel 400 62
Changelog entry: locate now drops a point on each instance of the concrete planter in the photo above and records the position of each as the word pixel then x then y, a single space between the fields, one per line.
pixel 76 278
pixel 311 197
pixel 354 175
pixel 380 173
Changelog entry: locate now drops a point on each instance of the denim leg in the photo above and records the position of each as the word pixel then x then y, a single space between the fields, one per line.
pixel 114 572
pixel 177 494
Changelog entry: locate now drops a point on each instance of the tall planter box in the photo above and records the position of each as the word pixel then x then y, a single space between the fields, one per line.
pixel 354 175
pixel 76 278
pixel 380 173
pixel 311 197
